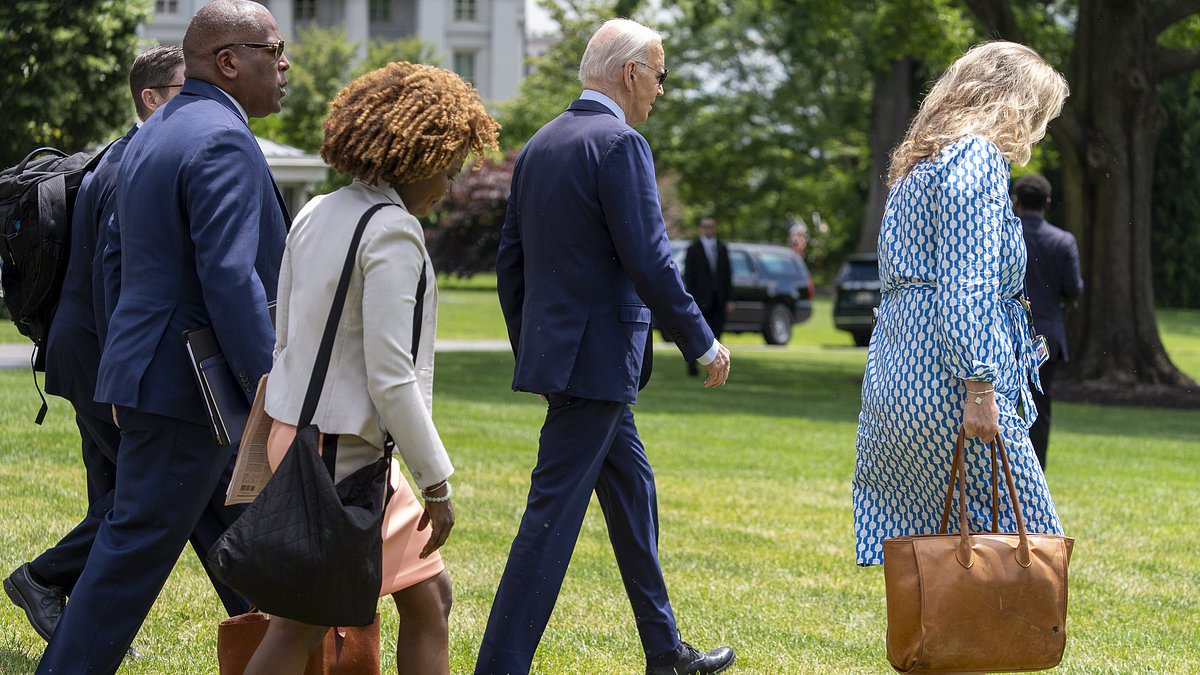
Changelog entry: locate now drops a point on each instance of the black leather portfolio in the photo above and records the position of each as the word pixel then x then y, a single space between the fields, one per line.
pixel 224 399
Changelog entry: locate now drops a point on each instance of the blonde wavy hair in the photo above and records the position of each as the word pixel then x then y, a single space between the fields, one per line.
pixel 1002 91
pixel 405 122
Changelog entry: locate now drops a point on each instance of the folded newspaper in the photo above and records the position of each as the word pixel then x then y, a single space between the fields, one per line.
pixel 252 469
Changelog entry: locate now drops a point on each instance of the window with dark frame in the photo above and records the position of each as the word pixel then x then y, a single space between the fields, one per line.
pixel 305 10
pixel 465 10
pixel 166 6
pixel 464 65
pixel 381 10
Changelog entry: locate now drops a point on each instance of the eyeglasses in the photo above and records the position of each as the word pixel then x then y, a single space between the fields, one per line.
pixel 165 86
pixel 662 77
pixel 275 47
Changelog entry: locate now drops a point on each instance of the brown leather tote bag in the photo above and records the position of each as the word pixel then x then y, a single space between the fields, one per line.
pixel 988 602
pixel 344 651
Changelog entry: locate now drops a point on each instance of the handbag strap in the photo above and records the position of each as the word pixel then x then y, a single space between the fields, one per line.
pixel 316 381
pixel 958 475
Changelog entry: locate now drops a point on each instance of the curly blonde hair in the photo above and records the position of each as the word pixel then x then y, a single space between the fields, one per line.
pixel 404 123
pixel 1002 91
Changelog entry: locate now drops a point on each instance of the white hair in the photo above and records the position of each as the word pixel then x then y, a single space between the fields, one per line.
pixel 612 45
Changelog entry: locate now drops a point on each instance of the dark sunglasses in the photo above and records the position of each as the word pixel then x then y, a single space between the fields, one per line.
pixel 275 47
pixel 662 77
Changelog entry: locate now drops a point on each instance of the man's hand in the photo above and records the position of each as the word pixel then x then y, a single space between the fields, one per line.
pixel 718 370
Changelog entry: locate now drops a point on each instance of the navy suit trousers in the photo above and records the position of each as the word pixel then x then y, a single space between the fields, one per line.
pixel 171 479
pixel 61 565
pixel 585 446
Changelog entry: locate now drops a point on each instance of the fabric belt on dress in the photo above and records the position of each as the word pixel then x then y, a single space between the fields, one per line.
pixel 1019 332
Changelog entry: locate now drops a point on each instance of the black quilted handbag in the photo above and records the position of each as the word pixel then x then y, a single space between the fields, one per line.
pixel 306 549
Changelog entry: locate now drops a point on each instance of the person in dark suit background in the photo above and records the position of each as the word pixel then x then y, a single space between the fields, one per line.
pixel 707 276
pixel 583 260
pixel 40 587
pixel 1052 279
pixel 202 232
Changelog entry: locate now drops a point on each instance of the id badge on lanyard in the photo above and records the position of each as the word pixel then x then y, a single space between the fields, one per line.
pixel 1039 341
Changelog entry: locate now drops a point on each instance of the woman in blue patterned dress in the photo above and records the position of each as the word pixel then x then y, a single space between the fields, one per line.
pixel 951 347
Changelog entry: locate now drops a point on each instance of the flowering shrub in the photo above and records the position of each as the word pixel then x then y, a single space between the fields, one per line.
pixel 466 228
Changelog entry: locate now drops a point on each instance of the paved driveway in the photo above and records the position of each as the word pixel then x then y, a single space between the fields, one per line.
pixel 17 355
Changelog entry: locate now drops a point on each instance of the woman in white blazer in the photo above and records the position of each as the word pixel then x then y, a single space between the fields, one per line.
pixel 403 133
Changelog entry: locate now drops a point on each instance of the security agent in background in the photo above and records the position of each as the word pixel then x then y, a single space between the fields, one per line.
pixel 202 231
pixel 1052 279
pixel 41 587
pixel 709 279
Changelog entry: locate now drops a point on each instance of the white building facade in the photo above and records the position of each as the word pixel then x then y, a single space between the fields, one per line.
pixel 482 40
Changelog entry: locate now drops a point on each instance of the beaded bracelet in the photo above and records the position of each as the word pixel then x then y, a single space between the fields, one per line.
pixel 438 500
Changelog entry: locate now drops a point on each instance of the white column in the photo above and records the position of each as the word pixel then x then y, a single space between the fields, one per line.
pixel 282 11
pixel 431 26
pixel 357 20
pixel 507 48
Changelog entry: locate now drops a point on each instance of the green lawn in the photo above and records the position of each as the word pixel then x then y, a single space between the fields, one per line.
pixel 757 543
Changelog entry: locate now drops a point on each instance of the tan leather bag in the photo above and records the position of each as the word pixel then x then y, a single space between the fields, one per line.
pixel 976 602
pixel 344 651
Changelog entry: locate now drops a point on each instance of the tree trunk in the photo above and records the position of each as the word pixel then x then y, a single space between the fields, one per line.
pixel 1107 139
pixel 891 108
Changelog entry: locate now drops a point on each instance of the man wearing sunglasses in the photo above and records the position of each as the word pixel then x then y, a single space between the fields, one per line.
pixel 202 229
pixel 583 260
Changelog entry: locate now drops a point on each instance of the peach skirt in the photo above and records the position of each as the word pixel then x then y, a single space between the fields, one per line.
pixel 402 543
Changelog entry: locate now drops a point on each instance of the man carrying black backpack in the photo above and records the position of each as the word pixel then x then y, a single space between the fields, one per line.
pixel 72 353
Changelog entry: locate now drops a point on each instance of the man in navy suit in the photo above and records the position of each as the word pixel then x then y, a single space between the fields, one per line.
pixel 1052 279
pixel 583 260
pixel 708 277
pixel 202 232
pixel 40 587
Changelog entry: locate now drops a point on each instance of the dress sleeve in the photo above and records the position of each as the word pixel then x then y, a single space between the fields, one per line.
pixel 391 260
pixel 970 317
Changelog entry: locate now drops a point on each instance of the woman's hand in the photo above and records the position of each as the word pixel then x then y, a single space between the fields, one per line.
pixel 980 420
pixel 439 516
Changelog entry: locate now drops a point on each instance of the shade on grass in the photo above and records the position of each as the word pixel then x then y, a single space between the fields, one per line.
pixel 754 497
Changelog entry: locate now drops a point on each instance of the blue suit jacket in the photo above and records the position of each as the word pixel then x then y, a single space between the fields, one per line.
pixel 73 345
pixel 202 235
pixel 583 251
pixel 1052 277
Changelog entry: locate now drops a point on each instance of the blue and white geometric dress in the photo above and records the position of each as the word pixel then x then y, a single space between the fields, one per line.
pixel 952 262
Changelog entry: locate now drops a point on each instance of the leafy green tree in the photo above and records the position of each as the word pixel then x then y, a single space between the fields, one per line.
pixel 554 81
pixel 323 61
pixel 65 75
pixel 1175 239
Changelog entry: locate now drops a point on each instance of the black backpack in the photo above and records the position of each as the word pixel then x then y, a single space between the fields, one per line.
pixel 37 197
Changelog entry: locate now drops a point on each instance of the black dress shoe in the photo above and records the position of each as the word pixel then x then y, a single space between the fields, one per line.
pixel 692 661
pixel 43 605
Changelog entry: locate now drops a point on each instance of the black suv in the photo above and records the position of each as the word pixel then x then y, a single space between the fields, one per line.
pixel 772 289
pixel 857 296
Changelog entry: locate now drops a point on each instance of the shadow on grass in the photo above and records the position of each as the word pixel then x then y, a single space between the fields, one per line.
pixel 762 386
pixel 1117 421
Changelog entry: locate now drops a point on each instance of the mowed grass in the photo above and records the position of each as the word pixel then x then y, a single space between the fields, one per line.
pixel 754 498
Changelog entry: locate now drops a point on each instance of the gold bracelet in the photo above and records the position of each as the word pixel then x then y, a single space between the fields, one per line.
pixel 980 394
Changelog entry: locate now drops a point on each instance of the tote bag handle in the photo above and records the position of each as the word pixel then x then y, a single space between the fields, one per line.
pixel 958 474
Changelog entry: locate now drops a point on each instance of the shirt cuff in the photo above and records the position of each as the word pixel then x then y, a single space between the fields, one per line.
pixel 708 356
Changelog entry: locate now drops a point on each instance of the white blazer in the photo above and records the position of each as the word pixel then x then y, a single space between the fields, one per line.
pixel 373 386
